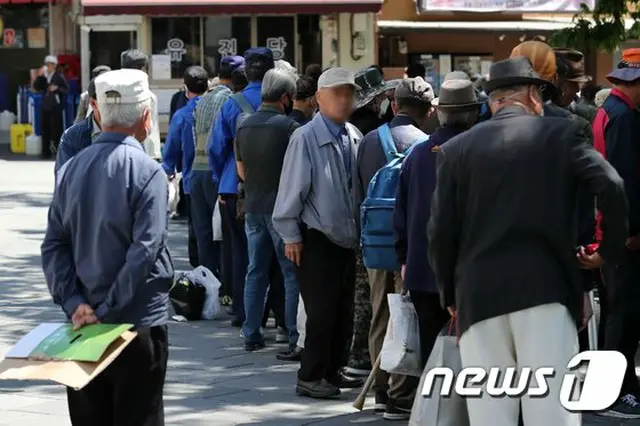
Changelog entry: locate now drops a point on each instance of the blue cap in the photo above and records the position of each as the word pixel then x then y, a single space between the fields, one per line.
pixel 233 61
pixel 259 54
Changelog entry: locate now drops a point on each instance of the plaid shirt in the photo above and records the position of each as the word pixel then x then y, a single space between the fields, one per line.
pixel 204 117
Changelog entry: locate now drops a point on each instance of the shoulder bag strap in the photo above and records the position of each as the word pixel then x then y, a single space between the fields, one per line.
pixel 243 103
pixel 386 141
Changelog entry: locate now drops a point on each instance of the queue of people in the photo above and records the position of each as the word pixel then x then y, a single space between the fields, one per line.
pixel 494 220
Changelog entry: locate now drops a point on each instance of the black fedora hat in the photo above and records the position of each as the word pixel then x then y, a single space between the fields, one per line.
pixel 516 71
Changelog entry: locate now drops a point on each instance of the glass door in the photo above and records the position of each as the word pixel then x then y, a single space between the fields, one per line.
pixel 106 47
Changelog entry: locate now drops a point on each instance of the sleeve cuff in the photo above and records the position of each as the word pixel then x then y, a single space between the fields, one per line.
pixel 101 312
pixel 72 304
pixel 292 240
pixel 167 169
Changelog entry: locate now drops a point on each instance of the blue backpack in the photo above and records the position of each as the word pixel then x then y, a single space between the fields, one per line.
pixel 376 212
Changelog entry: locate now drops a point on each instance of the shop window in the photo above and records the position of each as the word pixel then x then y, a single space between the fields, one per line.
pixel 224 35
pixel 178 38
pixel 278 34
pixel 23 26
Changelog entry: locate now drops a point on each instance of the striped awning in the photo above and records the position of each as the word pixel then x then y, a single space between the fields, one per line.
pixel 199 7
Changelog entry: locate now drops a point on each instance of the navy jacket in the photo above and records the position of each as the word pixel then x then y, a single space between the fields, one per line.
pixel 106 238
pixel 73 140
pixel 413 208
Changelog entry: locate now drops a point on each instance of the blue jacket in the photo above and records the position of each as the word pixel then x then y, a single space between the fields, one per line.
pixel 223 133
pixel 73 140
pixel 106 238
pixel 180 144
pixel 413 208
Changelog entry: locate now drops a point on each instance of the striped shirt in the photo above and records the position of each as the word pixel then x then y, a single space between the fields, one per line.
pixel 205 114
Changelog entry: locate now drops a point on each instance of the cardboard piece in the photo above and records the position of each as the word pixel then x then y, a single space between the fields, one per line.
pixel 53 351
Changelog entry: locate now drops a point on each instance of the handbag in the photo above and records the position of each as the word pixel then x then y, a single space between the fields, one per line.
pixel 436 410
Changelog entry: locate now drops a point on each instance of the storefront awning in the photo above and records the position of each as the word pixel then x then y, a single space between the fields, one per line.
pixel 200 7
pixel 524 25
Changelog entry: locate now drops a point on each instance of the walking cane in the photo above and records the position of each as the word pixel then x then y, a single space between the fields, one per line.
pixel 359 402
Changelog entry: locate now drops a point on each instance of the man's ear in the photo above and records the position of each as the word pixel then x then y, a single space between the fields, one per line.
pixel 394 107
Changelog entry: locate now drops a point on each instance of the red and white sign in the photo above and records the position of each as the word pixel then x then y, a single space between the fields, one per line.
pixel 8 37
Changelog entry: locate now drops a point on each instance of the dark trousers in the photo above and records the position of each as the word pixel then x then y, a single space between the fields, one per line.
pixel 327 279
pixel 194 259
pixel 129 391
pixel 583 336
pixel 623 317
pixel 203 197
pixel 52 128
pixel 275 297
pixel 183 203
pixel 431 319
pixel 234 242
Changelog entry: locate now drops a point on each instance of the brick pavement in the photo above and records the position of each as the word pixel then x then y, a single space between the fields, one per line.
pixel 211 379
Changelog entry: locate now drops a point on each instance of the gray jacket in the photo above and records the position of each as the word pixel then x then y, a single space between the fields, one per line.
pixel 314 188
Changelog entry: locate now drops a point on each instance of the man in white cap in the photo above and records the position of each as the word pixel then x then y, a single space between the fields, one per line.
pixel 314 216
pixel 105 254
pixel 53 88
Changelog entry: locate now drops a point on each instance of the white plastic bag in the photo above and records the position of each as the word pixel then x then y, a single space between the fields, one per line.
pixel 216 223
pixel 174 194
pixel 400 352
pixel 205 277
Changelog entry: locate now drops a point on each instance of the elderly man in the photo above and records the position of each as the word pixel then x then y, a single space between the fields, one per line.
pixel 221 158
pixel 84 104
pixel 80 135
pixel 412 103
pixel 259 166
pixel 314 216
pixel 53 87
pixel 120 272
pixel 138 60
pixel 502 246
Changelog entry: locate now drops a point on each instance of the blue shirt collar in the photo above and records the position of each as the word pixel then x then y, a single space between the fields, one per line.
pixel 253 85
pixel 110 137
pixel 333 127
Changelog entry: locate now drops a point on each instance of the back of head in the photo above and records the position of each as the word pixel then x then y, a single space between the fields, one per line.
pixel 196 79
pixel 541 56
pixel 416 70
pixel 257 61
pixel 276 83
pixel 123 97
pixel 314 71
pixel 228 64
pixel 135 59
pixel 239 79
pixel 284 65
pixel 100 69
pixel 601 97
pixel 306 87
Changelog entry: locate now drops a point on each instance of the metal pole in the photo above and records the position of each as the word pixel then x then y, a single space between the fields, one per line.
pixel 51 50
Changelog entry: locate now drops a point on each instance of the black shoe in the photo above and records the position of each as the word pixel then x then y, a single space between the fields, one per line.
pixel 397 410
pixel 291 354
pixel 381 402
pixel 345 382
pixel 320 389
pixel 250 347
pixel 627 407
pixel 236 323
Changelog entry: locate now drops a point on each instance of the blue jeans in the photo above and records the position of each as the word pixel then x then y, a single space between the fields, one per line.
pixel 203 200
pixel 262 240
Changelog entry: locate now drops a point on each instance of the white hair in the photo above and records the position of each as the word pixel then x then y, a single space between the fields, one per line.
pixel 277 82
pixel 122 115
pixel 601 96
pixel 463 119
pixel 284 65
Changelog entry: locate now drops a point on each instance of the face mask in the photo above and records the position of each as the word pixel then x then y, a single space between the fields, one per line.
pixel 384 106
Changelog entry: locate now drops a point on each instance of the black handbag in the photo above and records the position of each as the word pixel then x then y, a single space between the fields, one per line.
pixel 187 298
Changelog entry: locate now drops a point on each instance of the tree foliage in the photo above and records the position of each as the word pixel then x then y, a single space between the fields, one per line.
pixel 602 27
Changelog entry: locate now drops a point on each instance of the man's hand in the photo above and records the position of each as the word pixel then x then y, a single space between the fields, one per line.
pixel 589 261
pixel 587 312
pixel 633 243
pixel 170 178
pixel 451 310
pixel 403 271
pixel 293 252
pixel 53 88
pixel 221 200
pixel 83 315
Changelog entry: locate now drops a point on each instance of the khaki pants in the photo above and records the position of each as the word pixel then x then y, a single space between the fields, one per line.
pixel 383 283
pixel 542 336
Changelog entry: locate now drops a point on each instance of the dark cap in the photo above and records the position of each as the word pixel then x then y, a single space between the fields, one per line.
pixel 91 90
pixel 232 61
pixel 415 89
pixel 571 65
pixel 260 55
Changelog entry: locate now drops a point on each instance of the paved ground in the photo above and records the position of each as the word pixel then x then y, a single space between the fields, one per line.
pixel 211 380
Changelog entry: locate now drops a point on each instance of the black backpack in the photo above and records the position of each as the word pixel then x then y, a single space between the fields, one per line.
pixel 187 298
